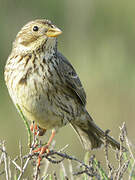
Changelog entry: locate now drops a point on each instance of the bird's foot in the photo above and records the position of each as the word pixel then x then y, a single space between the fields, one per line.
pixel 44 149
pixel 41 151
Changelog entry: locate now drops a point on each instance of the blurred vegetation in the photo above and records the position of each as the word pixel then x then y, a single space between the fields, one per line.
pixel 60 165
pixel 98 38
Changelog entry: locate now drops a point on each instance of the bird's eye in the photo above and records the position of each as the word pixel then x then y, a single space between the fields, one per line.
pixel 52 26
pixel 35 28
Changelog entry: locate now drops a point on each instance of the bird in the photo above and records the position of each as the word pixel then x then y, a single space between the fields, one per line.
pixel 46 86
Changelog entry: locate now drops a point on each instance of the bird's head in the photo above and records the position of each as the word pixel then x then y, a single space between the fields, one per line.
pixel 34 35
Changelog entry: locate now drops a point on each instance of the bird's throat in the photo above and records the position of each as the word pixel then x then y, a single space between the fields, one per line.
pixel 50 48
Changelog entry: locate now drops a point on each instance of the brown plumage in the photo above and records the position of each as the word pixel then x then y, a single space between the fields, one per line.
pixel 46 87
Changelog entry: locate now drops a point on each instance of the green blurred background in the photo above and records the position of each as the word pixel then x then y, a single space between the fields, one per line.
pixel 99 40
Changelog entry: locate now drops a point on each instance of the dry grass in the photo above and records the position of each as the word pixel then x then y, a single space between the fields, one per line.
pixel 24 166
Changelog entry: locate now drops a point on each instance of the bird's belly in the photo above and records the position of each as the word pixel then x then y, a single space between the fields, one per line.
pixel 39 108
pixel 42 112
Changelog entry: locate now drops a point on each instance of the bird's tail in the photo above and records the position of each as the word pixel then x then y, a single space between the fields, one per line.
pixel 90 135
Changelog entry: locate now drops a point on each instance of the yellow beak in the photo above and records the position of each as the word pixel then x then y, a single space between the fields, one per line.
pixel 53 32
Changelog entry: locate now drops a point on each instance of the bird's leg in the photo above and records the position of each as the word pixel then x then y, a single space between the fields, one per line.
pixel 40 131
pixel 37 130
pixel 33 128
pixel 45 148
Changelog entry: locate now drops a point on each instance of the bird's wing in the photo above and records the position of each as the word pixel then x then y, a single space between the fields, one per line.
pixel 70 78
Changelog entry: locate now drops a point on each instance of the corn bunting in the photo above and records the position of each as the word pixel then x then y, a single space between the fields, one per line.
pixel 46 86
